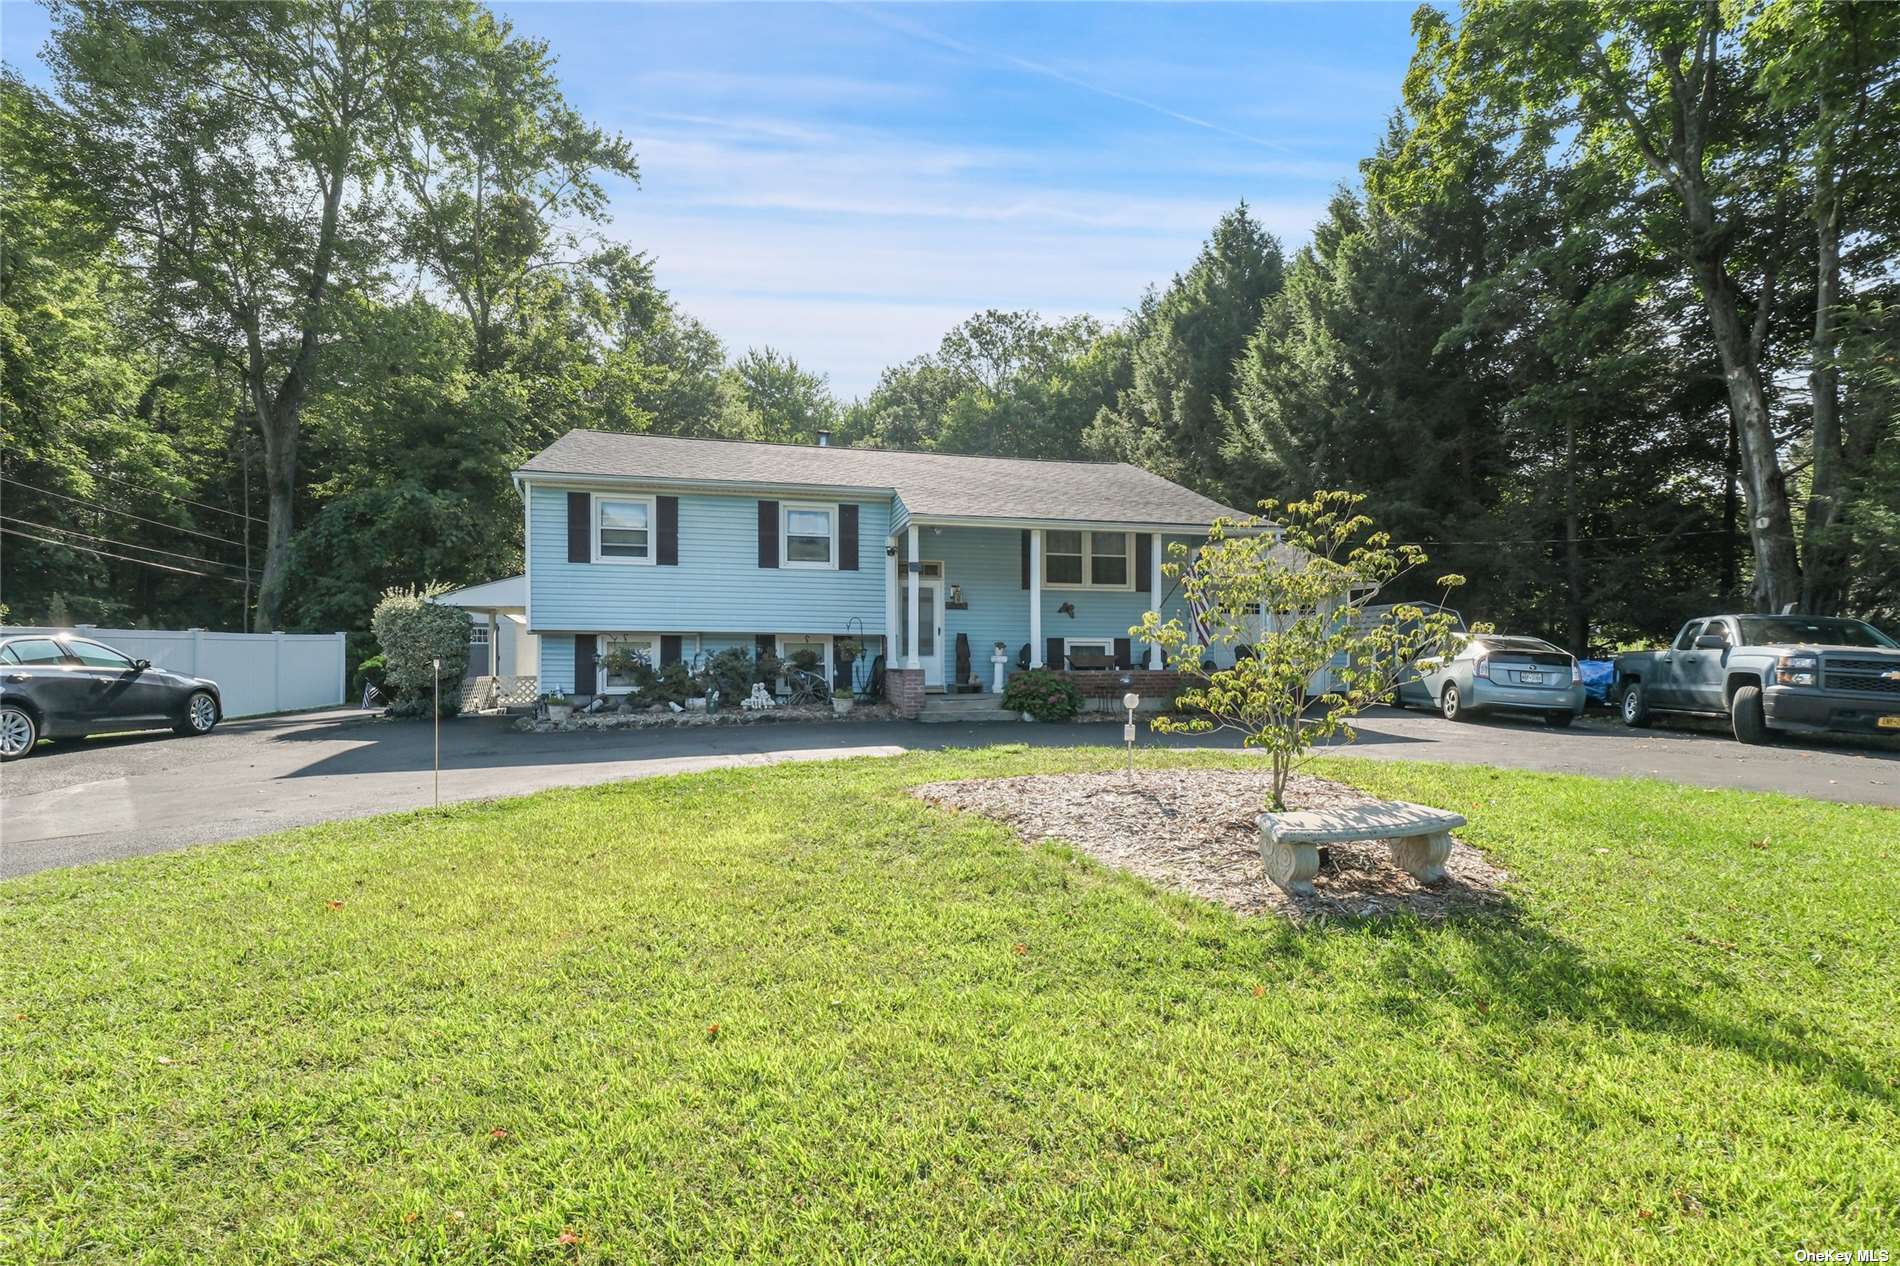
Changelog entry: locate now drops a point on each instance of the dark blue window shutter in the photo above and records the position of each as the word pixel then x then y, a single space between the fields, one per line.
pixel 1053 656
pixel 667 511
pixel 584 664
pixel 580 528
pixel 1144 562
pixel 768 534
pixel 1025 558
pixel 847 537
pixel 1124 653
pixel 669 649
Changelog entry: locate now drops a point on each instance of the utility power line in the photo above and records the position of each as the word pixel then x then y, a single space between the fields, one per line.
pixel 156 492
pixel 48 492
pixel 106 540
pixel 124 558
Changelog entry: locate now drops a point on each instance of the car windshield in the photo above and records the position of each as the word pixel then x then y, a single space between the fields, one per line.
pixel 1790 630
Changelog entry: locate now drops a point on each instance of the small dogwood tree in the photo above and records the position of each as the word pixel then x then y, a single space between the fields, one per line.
pixel 1287 595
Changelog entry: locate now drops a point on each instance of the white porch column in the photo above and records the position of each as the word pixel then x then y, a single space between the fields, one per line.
pixel 890 601
pixel 1035 597
pixel 911 658
pixel 1154 593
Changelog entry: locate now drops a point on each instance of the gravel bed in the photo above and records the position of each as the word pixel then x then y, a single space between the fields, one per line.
pixel 1193 830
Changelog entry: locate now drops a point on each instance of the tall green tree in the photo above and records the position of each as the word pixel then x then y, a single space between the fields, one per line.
pixel 791 403
pixel 1724 146
pixel 1005 384
pixel 501 174
pixel 1177 414
pixel 1830 76
pixel 238 151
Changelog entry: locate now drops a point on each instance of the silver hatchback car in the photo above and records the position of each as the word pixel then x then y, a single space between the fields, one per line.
pixel 1489 671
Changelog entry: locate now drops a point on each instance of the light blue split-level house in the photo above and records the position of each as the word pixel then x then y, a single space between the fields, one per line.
pixel 678 548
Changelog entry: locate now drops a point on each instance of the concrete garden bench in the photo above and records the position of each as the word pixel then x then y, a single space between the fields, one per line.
pixel 1420 835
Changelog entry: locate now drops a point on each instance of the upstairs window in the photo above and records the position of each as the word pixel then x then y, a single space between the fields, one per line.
pixel 623 530
pixel 808 536
pixel 1062 560
pixel 1086 560
pixel 1108 559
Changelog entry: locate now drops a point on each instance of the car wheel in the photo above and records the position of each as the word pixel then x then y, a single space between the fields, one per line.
pixel 1635 706
pixel 1558 720
pixel 1451 705
pixel 201 714
pixel 18 733
pixel 1745 716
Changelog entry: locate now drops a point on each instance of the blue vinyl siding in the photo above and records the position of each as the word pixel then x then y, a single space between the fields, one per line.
pixel 718 586
pixel 557 663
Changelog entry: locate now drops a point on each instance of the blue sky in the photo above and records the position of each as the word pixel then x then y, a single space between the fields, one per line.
pixel 845 182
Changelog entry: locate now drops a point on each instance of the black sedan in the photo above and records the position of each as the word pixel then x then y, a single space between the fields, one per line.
pixel 61 686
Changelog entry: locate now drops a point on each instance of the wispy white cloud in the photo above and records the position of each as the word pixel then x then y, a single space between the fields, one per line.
pixel 1048 71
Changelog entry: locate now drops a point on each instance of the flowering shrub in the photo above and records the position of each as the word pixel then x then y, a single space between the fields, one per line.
pixel 412 632
pixel 1043 695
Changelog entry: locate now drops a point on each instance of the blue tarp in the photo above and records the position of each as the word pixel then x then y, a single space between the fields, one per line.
pixel 1596 678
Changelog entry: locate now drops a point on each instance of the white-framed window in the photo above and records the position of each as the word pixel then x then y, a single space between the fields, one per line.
pixel 623 529
pixel 1087 560
pixel 477 634
pixel 808 535
pixel 644 645
pixel 790 644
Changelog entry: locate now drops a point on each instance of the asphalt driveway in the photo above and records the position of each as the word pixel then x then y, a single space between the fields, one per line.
pixel 122 797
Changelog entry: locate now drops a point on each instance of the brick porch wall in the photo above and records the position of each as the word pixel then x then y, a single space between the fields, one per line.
pixel 904 687
pixel 1108 684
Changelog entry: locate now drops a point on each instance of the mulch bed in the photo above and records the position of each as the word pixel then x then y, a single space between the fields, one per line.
pixel 1193 830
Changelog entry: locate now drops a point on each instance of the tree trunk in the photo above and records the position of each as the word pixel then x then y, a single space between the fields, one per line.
pixel 1822 543
pixel 279 415
pixel 1731 475
pixel 280 486
pixel 1770 520
pixel 1576 611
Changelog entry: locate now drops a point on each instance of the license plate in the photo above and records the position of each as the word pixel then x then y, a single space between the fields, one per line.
pixel 1889 722
pixel 1531 679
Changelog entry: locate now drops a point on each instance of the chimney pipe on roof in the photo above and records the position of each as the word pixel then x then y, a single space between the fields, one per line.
pixel 824 439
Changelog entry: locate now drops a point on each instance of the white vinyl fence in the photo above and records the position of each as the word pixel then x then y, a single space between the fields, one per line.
pixel 255 672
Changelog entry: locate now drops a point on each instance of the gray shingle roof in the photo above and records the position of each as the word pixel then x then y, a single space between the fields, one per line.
pixel 932 485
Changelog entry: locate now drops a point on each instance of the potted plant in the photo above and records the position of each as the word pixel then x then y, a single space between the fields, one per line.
pixel 558 706
pixel 847 649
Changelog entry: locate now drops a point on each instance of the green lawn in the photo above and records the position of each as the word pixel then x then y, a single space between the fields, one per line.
pixel 792 1014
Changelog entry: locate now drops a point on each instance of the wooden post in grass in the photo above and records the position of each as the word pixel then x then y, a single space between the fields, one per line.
pixel 1131 701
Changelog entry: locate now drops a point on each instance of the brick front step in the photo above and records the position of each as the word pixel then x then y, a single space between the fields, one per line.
pixel 965 708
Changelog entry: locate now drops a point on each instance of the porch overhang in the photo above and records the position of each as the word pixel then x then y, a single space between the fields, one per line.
pixel 507 595
pixel 1063 525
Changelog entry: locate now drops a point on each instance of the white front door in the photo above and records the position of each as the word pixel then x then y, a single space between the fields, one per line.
pixel 929 627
